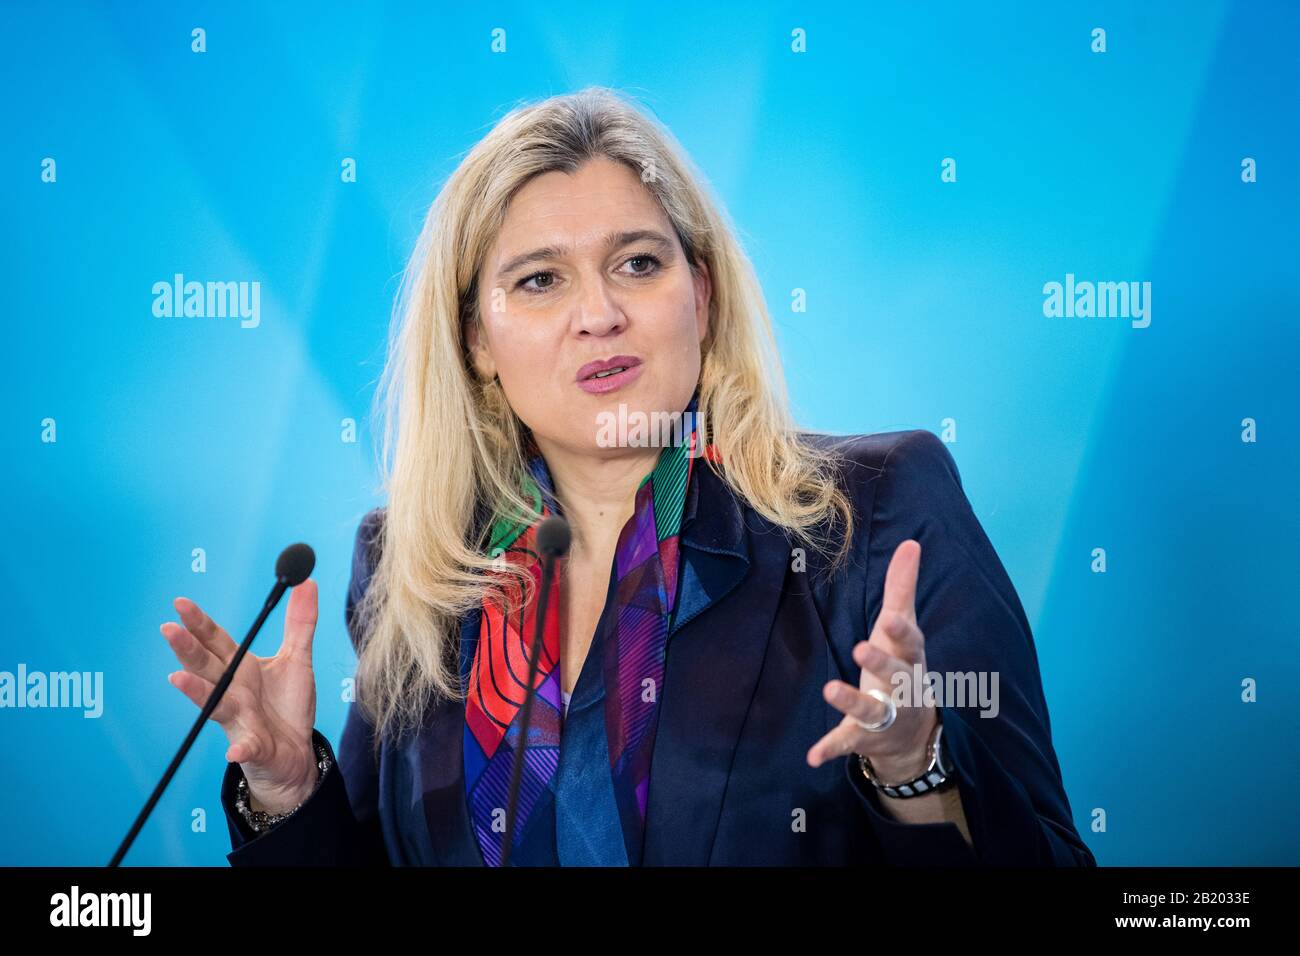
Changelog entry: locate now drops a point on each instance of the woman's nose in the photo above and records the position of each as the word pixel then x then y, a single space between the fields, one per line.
pixel 598 311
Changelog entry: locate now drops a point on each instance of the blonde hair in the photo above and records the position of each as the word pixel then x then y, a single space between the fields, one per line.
pixel 457 450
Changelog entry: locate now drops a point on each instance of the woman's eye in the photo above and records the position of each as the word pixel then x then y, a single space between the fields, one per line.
pixel 550 277
pixel 646 257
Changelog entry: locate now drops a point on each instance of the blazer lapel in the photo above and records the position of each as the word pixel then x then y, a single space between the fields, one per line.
pixel 442 770
pixel 712 667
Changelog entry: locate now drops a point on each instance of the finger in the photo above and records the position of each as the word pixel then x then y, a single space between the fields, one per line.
pixel 194 657
pixel 879 665
pixel 300 622
pixel 838 742
pixel 246 748
pixel 852 702
pixel 213 636
pixel 199 690
pixel 899 635
pixel 900 579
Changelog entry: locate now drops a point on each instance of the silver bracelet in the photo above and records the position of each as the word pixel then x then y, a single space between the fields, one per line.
pixel 260 821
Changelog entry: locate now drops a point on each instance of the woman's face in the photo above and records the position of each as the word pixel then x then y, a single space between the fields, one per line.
pixel 587 268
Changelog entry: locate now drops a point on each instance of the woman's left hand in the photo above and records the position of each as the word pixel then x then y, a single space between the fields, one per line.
pixel 900 752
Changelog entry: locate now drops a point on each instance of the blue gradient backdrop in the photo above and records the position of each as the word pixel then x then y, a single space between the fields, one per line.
pixel 924 304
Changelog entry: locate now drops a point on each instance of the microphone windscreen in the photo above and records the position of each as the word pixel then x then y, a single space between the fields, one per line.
pixel 295 564
pixel 553 536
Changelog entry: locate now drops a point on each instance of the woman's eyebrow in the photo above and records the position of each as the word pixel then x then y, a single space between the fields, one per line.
pixel 613 240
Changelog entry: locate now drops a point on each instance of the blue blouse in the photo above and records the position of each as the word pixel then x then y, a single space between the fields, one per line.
pixel 587 827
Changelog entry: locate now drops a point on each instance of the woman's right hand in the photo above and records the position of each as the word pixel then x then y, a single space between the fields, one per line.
pixel 269 710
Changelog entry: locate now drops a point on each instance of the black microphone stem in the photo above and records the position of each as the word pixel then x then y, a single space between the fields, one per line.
pixel 281 585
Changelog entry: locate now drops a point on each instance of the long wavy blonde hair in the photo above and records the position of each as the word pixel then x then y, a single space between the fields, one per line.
pixel 452 446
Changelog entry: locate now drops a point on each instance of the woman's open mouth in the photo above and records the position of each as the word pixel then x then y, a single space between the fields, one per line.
pixel 597 378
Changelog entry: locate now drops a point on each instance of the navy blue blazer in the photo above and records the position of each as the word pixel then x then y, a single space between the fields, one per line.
pixel 754 641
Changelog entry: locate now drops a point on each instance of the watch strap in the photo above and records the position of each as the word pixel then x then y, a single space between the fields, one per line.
pixel 938 773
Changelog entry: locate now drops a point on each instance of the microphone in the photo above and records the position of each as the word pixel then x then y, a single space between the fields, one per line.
pixel 292 568
pixel 553 542
pixel 553 537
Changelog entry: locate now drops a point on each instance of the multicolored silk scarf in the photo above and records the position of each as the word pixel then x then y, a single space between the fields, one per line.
pixel 633 640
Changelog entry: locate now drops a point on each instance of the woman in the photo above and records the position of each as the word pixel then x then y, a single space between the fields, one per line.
pixel 734 636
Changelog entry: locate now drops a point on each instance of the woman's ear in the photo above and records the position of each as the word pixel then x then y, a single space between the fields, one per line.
pixel 479 353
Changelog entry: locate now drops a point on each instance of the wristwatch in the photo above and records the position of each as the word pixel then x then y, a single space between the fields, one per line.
pixel 259 820
pixel 936 775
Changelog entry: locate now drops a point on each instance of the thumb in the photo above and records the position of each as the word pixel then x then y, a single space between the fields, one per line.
pixel 244 750
pixel 300 622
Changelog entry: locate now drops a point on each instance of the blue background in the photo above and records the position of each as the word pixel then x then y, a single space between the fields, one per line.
pixel 924 304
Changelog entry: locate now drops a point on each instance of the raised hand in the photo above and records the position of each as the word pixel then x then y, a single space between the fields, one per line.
pixel 896 644
pixel 269 709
